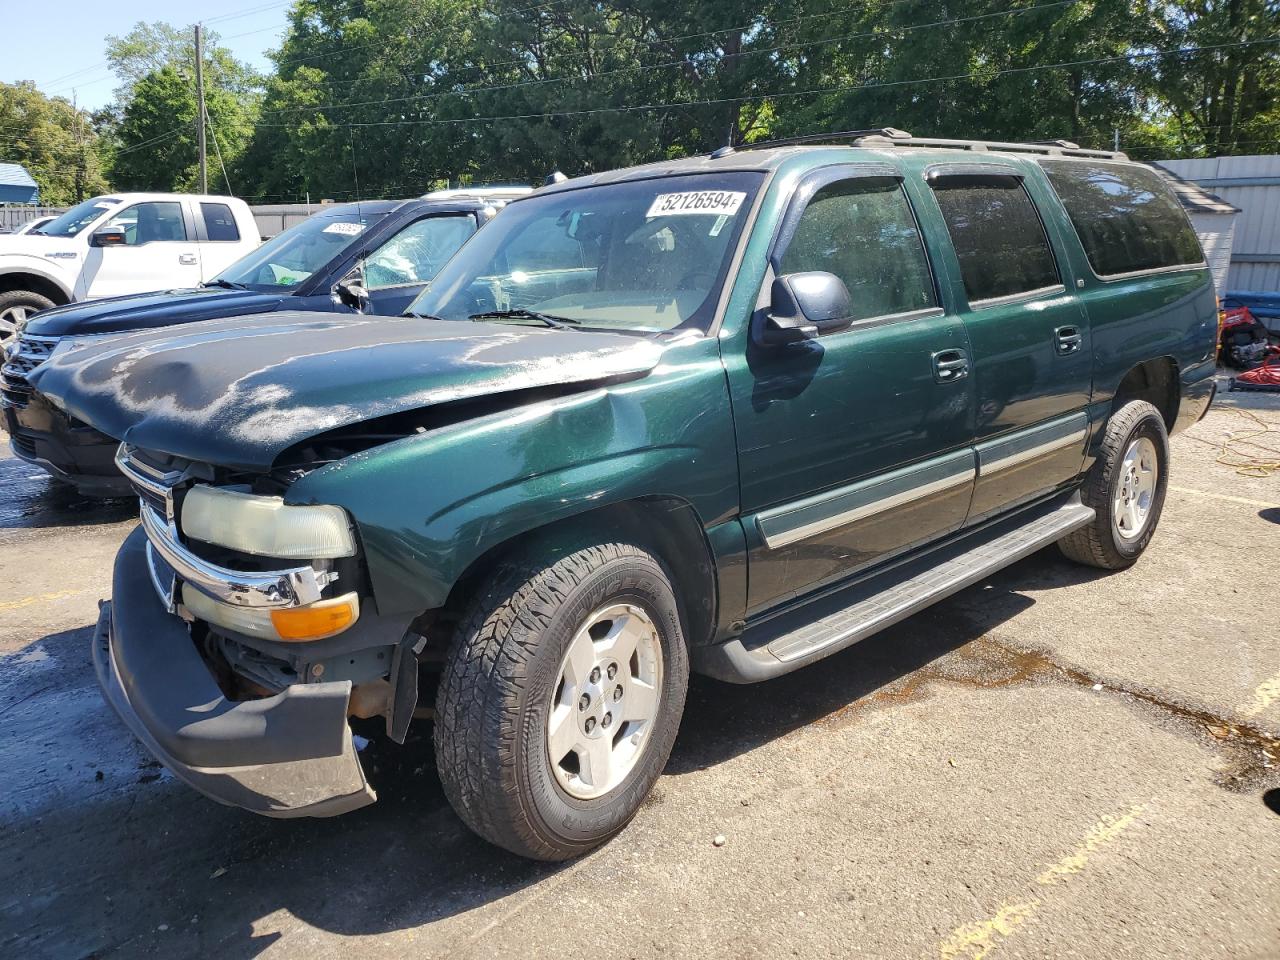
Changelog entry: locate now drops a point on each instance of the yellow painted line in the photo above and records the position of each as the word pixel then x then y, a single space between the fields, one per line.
pixel 973 941
pixel 1101 834
pixel 1268 692
pixel 40 598
pixel 1223 496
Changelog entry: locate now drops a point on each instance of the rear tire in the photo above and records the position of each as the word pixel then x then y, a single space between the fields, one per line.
pixel 531 672
pixel 1126 488
pixel 15 307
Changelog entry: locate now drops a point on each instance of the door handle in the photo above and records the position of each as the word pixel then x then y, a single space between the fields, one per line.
pixel 1068 340
pixel 188 259
pixel 950 365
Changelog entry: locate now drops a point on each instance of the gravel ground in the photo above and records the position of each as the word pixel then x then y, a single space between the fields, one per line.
pixel 1056 762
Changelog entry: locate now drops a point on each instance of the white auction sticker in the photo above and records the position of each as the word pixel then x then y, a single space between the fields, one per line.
pixel 346 229
pixel 706 202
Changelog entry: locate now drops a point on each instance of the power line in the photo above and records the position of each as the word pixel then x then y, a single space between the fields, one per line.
pixel 853 88
pixel 639 68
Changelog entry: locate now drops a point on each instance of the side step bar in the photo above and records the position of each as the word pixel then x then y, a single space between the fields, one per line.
pixel 821 627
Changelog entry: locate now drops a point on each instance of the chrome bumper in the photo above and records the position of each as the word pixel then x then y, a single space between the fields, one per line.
pixel 290 755
pixel 293 587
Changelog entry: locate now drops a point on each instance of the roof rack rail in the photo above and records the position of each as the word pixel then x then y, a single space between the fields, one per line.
pixel 891 137
pixel 838 136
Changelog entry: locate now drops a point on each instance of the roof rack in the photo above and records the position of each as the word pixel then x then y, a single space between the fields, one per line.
pixel 891 137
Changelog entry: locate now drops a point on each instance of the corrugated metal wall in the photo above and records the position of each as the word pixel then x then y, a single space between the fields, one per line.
pixel 1253 185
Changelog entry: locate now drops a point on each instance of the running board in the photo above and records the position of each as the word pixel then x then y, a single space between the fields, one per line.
pixel 826 625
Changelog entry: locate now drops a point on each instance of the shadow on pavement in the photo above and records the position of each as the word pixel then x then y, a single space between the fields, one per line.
pixel 35 500
pixel 133 864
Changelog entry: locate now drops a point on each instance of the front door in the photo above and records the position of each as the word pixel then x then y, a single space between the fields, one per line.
pixel 160 253
pixel 1028 331
pixel 855 445
pixel 396 272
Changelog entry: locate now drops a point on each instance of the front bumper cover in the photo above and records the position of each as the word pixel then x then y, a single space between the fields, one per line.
pixel 290 755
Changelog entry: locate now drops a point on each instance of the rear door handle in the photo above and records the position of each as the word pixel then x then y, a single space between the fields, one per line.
pixel 1068 340
pixel 950 365
pixel 188 259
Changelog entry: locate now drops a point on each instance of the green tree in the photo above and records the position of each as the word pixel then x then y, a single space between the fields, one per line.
pixel 154 117
pixel 1225 98
pixel 58 144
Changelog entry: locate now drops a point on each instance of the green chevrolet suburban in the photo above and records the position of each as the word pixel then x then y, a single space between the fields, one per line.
pixel 726 414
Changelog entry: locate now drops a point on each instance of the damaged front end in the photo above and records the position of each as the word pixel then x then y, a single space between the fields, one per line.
pixel 238 656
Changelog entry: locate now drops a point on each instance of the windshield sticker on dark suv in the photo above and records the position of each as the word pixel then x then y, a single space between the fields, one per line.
pixel 705 202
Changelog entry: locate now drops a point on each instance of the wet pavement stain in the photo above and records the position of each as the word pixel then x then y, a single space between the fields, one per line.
pixel 34 500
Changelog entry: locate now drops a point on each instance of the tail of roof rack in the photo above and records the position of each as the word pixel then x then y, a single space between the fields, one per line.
pixel 891 137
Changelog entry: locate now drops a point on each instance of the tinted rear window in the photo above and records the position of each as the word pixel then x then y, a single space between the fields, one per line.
pixel 1126 216
pixel 998 236
pixel 219 224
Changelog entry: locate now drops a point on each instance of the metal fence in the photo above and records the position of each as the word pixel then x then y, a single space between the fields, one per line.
pixel 14 216
pixel 1253 185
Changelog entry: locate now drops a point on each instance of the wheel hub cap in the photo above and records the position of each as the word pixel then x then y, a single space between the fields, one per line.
pixel 10 320
pixel 606 701
pixel 1136 489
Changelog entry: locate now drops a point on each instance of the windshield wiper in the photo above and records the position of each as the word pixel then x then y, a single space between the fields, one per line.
pixel 520 313
pixel 225 284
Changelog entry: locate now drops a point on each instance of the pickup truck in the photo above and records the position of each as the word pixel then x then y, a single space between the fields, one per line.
pixel 125 243
pixel 374 257
pixel 730 413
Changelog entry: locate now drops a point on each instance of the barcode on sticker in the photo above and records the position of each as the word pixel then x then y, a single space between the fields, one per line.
pixel 705 202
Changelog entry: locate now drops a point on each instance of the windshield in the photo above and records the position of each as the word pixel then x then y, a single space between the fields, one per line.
pixel 642 255
pixel 288 258
pixel 78 217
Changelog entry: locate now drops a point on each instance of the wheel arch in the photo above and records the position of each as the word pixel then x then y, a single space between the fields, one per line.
pixel 668 526
pixel 39 283
pixel 1155 381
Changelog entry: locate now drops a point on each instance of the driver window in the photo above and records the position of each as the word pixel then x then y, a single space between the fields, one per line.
pixel 863 231
pixel 416 253
pixel 151 222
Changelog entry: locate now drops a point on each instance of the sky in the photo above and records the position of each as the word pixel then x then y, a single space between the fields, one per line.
pixel 76 62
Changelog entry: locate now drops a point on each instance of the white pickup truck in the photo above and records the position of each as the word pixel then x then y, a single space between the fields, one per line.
pixel 121 244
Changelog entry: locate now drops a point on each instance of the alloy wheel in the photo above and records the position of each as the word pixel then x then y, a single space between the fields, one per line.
pixel 606 701
pixel 1136 489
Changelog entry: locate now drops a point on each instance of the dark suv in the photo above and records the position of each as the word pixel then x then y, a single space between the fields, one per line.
pixel 374 256
pixel 729 414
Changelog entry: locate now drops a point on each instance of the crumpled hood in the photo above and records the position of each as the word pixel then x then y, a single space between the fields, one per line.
pixel 237 392
pixel 144 311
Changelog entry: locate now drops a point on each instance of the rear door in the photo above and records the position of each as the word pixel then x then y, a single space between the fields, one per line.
pixel 853 446
pixel 1027 330
pixel 160 252
pixel 218 235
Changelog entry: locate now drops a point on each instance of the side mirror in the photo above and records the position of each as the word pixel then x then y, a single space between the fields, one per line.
pixel 804 305
pixel 352 294
pixel 108 237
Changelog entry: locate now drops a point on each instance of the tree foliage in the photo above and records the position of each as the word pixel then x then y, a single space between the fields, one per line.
pixel 392 97
pixel 58 144
pixel 154 118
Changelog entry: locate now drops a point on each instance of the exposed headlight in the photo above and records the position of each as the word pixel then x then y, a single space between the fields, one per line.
pixel 265 526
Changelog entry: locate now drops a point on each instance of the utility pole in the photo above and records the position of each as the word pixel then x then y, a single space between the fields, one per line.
pixel 204 166
pixel 1117 139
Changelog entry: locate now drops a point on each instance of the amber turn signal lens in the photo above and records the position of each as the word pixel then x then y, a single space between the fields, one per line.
pixel 318 620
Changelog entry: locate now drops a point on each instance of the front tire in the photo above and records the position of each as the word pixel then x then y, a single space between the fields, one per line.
pixel 1126 488
pixel 15 307
pixel 537 749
